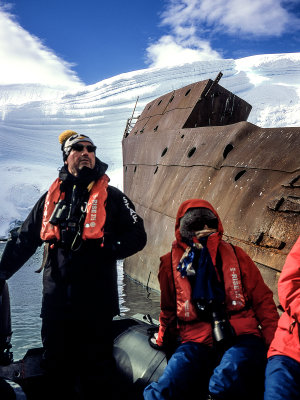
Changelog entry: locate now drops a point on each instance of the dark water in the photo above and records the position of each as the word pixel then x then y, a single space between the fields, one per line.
pixel 25 289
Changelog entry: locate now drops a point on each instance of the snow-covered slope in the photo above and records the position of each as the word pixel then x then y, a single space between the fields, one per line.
pixel 33 116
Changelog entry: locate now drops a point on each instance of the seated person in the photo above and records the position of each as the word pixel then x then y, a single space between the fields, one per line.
pixel 217 306
pixel 283 367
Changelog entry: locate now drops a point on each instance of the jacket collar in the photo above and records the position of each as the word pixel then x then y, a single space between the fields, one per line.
pixel 86 176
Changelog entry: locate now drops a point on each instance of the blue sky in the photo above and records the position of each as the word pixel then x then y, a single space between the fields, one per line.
pixel 72 41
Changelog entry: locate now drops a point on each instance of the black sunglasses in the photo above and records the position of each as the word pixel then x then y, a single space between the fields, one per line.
pixel 199 225
pixel 79 147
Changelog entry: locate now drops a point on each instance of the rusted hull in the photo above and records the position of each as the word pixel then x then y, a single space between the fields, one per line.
pixel 251 175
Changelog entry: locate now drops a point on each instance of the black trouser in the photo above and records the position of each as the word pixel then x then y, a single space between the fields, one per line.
pixel 78 358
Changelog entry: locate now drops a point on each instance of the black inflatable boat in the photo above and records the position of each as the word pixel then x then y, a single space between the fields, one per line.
pixel 138 363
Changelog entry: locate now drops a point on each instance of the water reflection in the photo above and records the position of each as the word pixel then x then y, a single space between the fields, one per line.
pixel 136 298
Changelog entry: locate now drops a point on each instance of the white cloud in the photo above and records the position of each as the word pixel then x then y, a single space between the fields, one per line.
pixel 190 21
pixel 256 17
pixel 24 59
pixel 169 52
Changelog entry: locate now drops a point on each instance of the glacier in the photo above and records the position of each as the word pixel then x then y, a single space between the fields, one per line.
pixel 33 116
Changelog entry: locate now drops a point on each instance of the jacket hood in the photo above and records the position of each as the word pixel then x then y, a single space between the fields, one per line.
pixel 194 203
pixel 87 175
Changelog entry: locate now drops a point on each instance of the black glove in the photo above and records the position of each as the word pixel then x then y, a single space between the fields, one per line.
pixel 152 342
pixel 152 336
pixel 2 284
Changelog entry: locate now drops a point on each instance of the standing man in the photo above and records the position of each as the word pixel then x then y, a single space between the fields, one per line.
pixel 216 305
pixel 86 226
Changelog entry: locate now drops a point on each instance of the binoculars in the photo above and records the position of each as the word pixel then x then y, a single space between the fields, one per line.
pixel 60 213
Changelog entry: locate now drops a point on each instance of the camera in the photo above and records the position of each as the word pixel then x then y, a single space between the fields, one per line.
pixel 60 213
pixel 223 332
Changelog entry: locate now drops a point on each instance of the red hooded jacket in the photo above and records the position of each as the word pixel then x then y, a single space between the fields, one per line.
pixel 287 337
pixel 259 319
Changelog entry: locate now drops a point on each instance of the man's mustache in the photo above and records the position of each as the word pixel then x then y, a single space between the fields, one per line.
pixel 84 158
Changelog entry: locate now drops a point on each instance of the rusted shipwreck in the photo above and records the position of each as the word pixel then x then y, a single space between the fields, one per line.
pixel 194 142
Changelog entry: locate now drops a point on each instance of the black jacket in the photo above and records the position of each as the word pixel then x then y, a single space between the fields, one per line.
pixel 83 283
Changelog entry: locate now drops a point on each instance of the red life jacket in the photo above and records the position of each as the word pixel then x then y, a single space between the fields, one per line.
pixel 235 299
pixel 95 211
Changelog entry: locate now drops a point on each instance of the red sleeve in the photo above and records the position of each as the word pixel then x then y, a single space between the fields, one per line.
pixel 167 317
pixel 259 295
pixel 289 283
